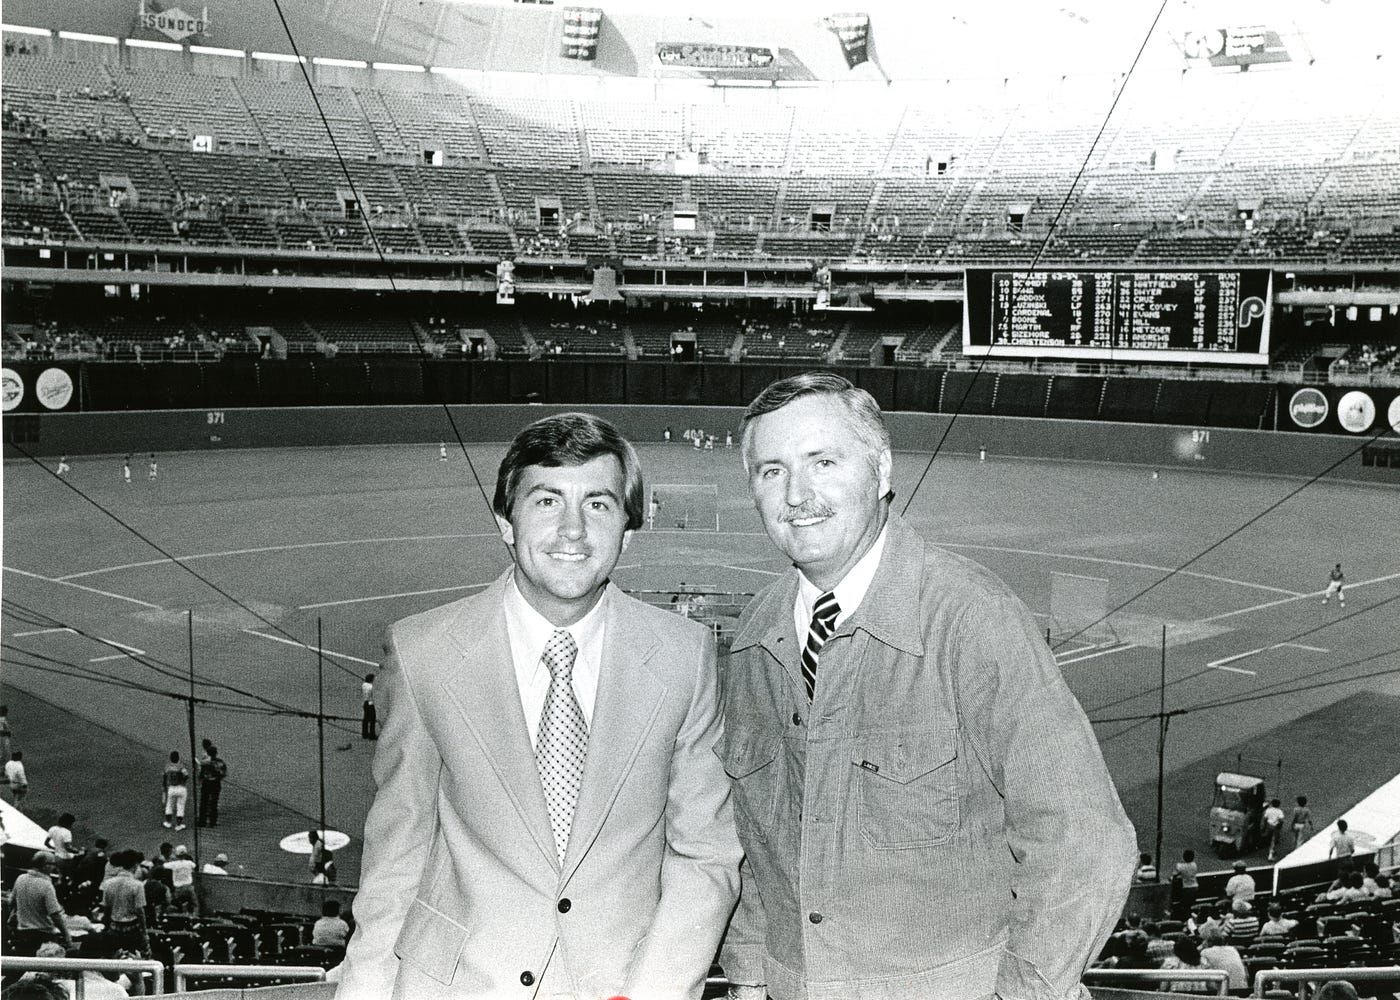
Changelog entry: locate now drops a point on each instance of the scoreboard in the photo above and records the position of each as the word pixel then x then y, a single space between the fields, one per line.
pixel 1162 315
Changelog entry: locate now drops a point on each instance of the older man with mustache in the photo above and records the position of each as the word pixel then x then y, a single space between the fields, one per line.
pixel 923 805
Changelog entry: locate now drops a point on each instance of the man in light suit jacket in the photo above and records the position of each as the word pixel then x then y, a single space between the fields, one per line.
pixel 551 818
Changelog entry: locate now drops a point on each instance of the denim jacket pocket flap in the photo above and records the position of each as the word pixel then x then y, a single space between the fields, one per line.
pixel 745 753
pixel 904 757
pixel 432 941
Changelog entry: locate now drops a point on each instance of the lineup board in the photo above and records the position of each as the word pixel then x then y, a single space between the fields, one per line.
pixel 1165 315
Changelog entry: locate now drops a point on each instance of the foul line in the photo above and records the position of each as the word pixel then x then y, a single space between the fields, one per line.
pixel 1115 648
pixel 1118 562
pixel 1221 664
pixel 90 590
pixel 1296 597
pixel 129 651
pixel 302 645
pixel 385 597
pixel 277 548
pixel 43 631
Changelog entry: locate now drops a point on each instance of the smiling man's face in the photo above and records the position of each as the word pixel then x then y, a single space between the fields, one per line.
pixel 567 529
pixel 817 484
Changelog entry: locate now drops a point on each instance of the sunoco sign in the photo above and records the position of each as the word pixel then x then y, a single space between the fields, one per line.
pixel 172 22
pixel 1308 407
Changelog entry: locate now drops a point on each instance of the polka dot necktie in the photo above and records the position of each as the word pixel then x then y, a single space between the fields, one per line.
pixel 823 624
pixel 563 738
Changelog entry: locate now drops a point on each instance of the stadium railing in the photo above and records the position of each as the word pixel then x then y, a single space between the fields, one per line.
pixel 1108 977
pixel 73 968
pixel 1352 974
pixel 184 973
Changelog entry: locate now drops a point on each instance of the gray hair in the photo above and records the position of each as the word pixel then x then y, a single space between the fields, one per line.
pixel 860 406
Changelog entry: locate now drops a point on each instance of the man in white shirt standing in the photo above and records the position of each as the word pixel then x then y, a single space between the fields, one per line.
pixel 181 868
pixel 1241 884
pixel 551 817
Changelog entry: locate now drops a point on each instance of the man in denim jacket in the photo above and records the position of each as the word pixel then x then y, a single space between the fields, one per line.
pixel 924 808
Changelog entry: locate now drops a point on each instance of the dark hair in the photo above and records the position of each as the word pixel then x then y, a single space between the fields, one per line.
pixel 1341 826
pixel 330 908
pixel 40 986
pixel 860 406
pixel 1188 855
pixel 570 439
pixel 174 756
pixel 67 819
pixel 1302 800
pixel 1187 950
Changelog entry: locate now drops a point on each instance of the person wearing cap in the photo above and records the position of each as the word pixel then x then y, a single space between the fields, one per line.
pixel 1241 884
pixel 219 866
pixel 181 869
pixel 39 917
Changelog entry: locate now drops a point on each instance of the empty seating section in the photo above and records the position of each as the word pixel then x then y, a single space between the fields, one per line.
pixel 528 133
pixel 828 140
pixel 736 201
pixel 230 179
pixel 68 99
pixel 374 332
pixel 752 137
pixel 847 197
pixel 924 181
pixel 410 123
pixel 522 188
pixel 449 191
pixel 632 133
pixel 623 197
pixel 292 124
pixel 207 105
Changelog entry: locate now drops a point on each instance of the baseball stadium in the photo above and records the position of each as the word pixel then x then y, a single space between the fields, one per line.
pixel 283 279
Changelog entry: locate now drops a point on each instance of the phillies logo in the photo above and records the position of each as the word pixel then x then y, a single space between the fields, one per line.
pixel 1250 309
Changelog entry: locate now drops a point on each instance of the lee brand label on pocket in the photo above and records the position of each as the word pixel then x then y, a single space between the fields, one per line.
pixel 875 768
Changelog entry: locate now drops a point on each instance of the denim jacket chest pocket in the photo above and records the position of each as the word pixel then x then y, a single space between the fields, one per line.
pixel 751 761
pixel 906 787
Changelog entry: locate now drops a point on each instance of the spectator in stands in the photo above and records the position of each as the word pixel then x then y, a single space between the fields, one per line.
pixel 1383 888
pixel 1369 871
pixel 1241 926
pixel 182 892
pixel 124 905
pixel 157 893
pixel 1277 925
pixel 1186 954
pixel 1218 953
pixel 1273 826
pixel 331 931
pixel 1188 871
pixel 1355 891
pixel 6 734
pixel 36 987
pixel 60 841
pixel 1147 869
pixel 219 866
pixel 15 776
pixel 1158 946
pixel 1343 843
pixel 1241 884
pixel 1043 857
pixel 325 873
pixel 38 915
pixel 1337 989
pixel 96 985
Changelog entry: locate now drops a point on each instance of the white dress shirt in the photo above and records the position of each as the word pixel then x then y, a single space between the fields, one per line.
pixel 849 592
pixel 530 632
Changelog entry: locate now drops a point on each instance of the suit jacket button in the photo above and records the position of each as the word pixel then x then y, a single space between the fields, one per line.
pixel 527 978
pixel 816 918
pixel 796 719
pixel 565 905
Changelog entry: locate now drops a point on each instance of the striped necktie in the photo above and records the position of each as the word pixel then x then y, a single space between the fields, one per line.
pixel 562 741
pixel 823 624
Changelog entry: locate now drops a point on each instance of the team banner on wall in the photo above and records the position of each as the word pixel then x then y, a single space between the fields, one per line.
pixel 1238 46
pixel 172 22
pixel 854 32
pixel 581 27
pixel 711 55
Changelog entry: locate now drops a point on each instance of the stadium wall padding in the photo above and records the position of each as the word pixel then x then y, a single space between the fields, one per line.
pixel 1149 445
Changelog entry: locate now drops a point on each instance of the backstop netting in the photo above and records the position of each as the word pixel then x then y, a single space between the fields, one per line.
pixel 683 507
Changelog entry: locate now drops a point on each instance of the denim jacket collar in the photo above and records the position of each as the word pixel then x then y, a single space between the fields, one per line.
pixel 887 612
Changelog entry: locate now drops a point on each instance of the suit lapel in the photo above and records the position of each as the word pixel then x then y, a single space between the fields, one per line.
pixel 479 679
pixel 629 696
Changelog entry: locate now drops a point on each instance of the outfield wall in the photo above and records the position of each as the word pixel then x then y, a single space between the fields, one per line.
pixel 1154 445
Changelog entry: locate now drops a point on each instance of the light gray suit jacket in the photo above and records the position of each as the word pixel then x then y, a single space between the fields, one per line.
pixel 461 891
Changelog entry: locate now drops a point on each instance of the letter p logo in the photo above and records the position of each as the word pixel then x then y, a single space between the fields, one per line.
pixel 1251 309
